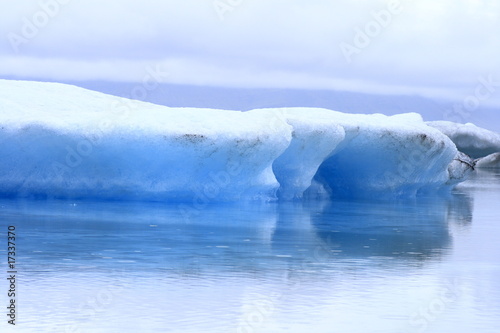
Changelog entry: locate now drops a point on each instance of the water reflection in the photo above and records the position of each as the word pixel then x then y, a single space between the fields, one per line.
pixel 323 263
pixel 294 267
pixel 412 229
pixel 87 236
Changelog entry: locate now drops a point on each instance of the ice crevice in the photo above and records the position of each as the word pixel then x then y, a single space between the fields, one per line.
pixel 61 141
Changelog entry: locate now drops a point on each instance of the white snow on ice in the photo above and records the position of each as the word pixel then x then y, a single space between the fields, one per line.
pixel 61 141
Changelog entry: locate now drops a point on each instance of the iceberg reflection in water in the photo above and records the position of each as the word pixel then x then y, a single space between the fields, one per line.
pixel 130 267
pixel 152 234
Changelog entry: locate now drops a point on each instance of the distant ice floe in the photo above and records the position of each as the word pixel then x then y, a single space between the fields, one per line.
pixel 472 140
pixel 61 141
pixel 489 162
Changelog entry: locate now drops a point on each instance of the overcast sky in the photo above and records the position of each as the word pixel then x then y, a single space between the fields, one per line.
pixel 427 47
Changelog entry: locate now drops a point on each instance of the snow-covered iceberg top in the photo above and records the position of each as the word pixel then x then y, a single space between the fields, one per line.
pixel 472 140
pixel 67 142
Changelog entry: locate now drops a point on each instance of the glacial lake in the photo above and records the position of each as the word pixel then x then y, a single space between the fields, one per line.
pixel 430 264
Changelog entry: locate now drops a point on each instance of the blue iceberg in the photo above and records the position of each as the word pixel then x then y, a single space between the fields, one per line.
pixel 61 141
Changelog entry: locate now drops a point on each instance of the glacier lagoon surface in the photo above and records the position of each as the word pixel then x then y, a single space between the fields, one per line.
pixel 429 264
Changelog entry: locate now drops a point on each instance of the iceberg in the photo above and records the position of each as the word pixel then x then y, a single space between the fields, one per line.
pixel 61 141
pixel 489 162
pixel 472 140
pixel 461 168
pixel 313 141
pixel 384 156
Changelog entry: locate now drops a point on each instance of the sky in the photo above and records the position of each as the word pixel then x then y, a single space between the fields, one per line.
pixel 446 48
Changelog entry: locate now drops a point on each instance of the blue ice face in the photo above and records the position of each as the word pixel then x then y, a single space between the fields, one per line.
pixel 67 142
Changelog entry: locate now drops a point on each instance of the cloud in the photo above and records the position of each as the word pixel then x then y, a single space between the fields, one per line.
pixel 428 47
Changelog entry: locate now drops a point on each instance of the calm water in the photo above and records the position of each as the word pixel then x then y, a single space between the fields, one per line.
pixel 426 265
